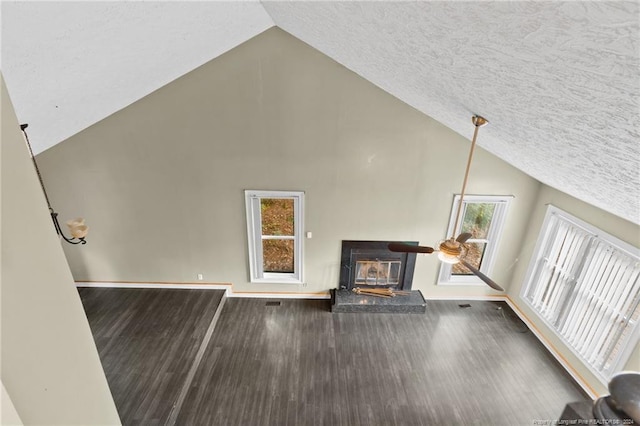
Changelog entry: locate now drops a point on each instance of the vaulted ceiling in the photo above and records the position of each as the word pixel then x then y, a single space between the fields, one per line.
pixel 558 81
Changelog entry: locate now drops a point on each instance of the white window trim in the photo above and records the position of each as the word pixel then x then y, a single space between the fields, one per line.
pixel 493 238
pixel 597 233
pixel 254 233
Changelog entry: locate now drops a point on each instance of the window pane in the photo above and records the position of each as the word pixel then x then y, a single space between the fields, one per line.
pixel 477 219
pixel 277 255
pixel 277 216
pixel 474 256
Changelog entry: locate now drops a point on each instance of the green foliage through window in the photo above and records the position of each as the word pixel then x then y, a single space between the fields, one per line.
pixel 477 220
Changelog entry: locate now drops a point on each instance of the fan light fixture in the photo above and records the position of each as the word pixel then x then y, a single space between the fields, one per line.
pixel 450 251
pixel 77 226
pixel 448 258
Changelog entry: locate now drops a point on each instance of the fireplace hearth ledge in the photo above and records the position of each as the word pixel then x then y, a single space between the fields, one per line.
pixel 347 301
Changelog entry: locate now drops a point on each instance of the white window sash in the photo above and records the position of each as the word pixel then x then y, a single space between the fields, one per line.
pixel 255 237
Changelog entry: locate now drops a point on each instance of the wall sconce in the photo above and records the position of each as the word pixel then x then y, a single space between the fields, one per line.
pixel 76 226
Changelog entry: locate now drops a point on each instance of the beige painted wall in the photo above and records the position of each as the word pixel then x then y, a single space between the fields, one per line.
pixel 8 413
pixel 49 363
pixel 161 182
pixel 620 228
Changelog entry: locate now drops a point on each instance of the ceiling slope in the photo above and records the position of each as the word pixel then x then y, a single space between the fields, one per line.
pixel 68 65
pixel 558 81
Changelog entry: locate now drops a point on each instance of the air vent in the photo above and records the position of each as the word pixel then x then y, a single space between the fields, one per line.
pixel 277 303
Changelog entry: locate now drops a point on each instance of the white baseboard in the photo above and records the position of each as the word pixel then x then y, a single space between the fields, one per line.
pixel 479 298
pixel 185 286
pixel 197 286
pixel 280 295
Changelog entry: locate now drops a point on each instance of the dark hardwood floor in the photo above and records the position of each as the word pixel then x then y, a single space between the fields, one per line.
pixel 147 340
pixel 299 364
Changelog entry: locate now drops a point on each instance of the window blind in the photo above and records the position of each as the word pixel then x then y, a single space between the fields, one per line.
pixel 585 285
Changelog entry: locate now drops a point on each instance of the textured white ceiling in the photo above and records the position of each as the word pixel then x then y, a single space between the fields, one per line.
pixel 559 81
pixel 68 65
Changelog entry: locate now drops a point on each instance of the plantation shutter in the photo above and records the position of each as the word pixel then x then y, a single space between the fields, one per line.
pixel 588 290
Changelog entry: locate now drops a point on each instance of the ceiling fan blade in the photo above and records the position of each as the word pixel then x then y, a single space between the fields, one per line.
pixel 408 248
pixel 482 276
pixel 462 238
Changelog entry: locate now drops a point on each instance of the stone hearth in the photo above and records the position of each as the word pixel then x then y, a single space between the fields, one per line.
pixel 347 301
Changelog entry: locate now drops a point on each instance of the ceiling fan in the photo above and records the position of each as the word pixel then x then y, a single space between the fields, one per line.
pixel 453 249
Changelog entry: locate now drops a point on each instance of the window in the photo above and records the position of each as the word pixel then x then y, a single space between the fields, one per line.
pixel 483 217
pixel 274 227
pixel 584 284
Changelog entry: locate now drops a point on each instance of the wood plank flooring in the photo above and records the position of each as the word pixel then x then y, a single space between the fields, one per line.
pixel 299 364
pixel 147 340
